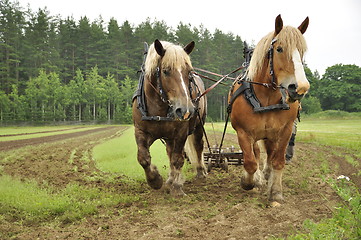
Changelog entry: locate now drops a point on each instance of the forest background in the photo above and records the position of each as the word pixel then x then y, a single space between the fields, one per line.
pixel 62 69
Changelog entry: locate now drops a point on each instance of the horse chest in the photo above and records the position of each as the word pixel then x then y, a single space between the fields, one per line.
pixel 260 127
pixel 166 130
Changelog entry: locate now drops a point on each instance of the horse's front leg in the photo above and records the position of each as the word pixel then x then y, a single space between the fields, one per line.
pixel 275 164
pixel 252 176
pixel 175 154
pixel 144 141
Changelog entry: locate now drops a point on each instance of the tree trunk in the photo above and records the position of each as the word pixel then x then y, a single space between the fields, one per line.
pixel 79 112
pixel 108 110
pixel 43 111
pixel 94 110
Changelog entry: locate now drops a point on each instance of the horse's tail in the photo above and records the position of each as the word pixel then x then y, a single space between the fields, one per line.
pixel 196 158
pixel 190 150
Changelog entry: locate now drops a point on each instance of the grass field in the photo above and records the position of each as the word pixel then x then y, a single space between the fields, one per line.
pixel 343 133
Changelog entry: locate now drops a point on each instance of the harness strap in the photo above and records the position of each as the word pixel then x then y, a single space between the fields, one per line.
pixel 247 89
pixel 157 118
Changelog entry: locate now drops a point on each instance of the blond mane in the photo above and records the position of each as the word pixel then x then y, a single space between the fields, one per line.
pixel 175 57
pixel 289 38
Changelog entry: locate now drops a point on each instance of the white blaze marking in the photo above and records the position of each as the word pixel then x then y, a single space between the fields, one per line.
pixel 185 89
pixel 302 82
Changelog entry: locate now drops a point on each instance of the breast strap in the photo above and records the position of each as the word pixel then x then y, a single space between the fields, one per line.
pixel 248 92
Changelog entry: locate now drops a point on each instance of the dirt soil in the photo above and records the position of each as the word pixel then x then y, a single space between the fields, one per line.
pixel 216 208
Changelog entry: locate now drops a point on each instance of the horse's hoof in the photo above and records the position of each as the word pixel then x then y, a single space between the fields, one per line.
pixel 177 193
pixel 175 190
pixel 246 186
pixel 277 198
pixel 275 204
pixel 201 175
pixel 156 182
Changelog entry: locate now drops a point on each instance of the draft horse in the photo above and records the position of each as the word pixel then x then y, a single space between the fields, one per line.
pixel 166 107
pixel 272 87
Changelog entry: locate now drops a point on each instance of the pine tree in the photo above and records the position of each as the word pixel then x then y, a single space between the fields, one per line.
pixel 11 25
pixel 67 48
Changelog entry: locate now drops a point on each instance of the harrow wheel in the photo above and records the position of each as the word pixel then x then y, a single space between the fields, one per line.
pixel 209 164
pixel 225 164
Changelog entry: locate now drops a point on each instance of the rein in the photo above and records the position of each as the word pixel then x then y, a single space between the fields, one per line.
pixel 248 54
pixel 218 82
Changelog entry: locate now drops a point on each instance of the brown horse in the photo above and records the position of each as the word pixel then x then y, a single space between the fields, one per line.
pixel 276 83
pixel 170 112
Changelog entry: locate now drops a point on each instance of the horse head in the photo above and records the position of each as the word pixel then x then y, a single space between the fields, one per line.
pixel 174 76
pixel 288 47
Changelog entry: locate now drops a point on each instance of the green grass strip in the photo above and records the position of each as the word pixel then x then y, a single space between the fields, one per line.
pixel 33 132
pixel 27 201
pixel 120 155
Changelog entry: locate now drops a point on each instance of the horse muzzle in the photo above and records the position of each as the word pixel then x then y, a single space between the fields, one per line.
pixel 295 94
pixel 182 113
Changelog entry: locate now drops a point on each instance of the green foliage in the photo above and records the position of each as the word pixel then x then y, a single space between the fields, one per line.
pixel 340 88
pixel 311 105
pixel 333 115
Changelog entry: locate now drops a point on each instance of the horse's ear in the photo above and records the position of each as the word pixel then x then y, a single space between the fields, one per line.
pixel 159 48
pixel 304 25
pixel 278 24
pixel 189 47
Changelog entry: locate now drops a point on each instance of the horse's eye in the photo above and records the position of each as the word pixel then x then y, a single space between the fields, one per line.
pixel 279 49
pixel 166 72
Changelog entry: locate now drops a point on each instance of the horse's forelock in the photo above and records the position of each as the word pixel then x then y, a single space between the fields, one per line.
pixel 175 58
pixel 290 38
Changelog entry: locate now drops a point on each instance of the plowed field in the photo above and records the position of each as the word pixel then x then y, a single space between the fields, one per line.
pixel 214 209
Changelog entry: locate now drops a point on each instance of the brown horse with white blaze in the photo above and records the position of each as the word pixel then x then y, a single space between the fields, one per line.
pixel 277 63
pixel 170 112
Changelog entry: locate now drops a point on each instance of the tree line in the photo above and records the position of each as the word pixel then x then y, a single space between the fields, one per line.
pixel 36 46
pixel 55 69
